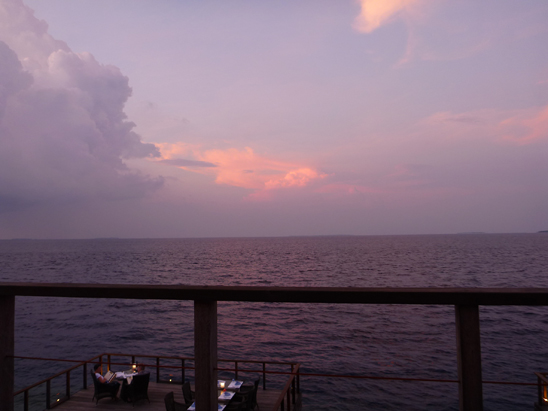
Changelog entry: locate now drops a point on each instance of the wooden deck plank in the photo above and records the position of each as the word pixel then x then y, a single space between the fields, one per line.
pixel 81 401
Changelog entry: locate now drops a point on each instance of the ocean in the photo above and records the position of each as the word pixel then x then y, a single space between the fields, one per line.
pixel 375 340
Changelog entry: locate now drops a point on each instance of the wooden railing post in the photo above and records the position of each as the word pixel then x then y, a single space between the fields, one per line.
pixel 205 354
pixel 7 341
pixel 469 357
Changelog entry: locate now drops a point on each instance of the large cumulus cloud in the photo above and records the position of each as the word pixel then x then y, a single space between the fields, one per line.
pixel 64 135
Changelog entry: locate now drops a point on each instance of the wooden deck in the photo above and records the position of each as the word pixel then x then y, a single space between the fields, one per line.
pixel 156 392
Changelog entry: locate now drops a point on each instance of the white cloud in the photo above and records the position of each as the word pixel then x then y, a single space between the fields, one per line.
pixel 63 131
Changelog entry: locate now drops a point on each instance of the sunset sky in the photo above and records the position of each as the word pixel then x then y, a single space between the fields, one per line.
pixel 217 118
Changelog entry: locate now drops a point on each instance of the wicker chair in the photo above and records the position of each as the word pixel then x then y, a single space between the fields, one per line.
pixel 172 405
pixel 188 394
pixel 235 406
pixel 248 394
pixel 138 389
pixel 103 390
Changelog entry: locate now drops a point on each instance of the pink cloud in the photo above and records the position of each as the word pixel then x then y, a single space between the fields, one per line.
pixel 524 126
pixel 294 178
pixel 241 168
pixel 437 31
pixel 375 13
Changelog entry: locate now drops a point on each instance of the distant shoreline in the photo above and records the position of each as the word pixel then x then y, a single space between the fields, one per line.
pixel 264 237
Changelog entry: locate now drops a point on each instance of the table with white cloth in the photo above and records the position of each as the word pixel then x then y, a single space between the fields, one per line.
pixel 225 394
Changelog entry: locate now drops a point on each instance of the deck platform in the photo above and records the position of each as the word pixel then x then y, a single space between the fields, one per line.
pixel 81 400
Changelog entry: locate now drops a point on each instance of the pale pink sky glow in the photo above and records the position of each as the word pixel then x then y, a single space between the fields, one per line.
pixel 202 118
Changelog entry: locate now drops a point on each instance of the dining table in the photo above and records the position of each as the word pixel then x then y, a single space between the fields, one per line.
pixel 123 375
pixel 226 390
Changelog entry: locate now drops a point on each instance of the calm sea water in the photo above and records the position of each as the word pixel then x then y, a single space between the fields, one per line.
pixel 402 341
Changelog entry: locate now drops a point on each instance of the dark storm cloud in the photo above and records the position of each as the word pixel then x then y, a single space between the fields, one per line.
pixel 180 162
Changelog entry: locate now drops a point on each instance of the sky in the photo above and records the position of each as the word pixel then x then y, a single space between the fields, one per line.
pixel 141 119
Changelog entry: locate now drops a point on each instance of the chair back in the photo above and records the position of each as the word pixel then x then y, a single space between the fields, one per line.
pixel 252 395
pixel 169 400
pixel 249 392
pixel 140 381
pixel 94 379
pixel 139 387
pixel 235 406
pixel 187 393
pixel 102 390
pixel 252 401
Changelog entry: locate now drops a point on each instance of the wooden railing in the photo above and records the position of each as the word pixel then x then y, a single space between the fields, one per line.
pixel 289 390
pixel 48 403
pixel 465 300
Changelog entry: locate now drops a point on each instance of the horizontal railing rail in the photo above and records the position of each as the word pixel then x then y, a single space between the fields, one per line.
pixel 334 295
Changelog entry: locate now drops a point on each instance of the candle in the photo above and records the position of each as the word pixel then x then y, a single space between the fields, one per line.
pixel 222 384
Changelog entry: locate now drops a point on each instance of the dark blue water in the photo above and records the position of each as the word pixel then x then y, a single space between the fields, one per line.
pixel 402 341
